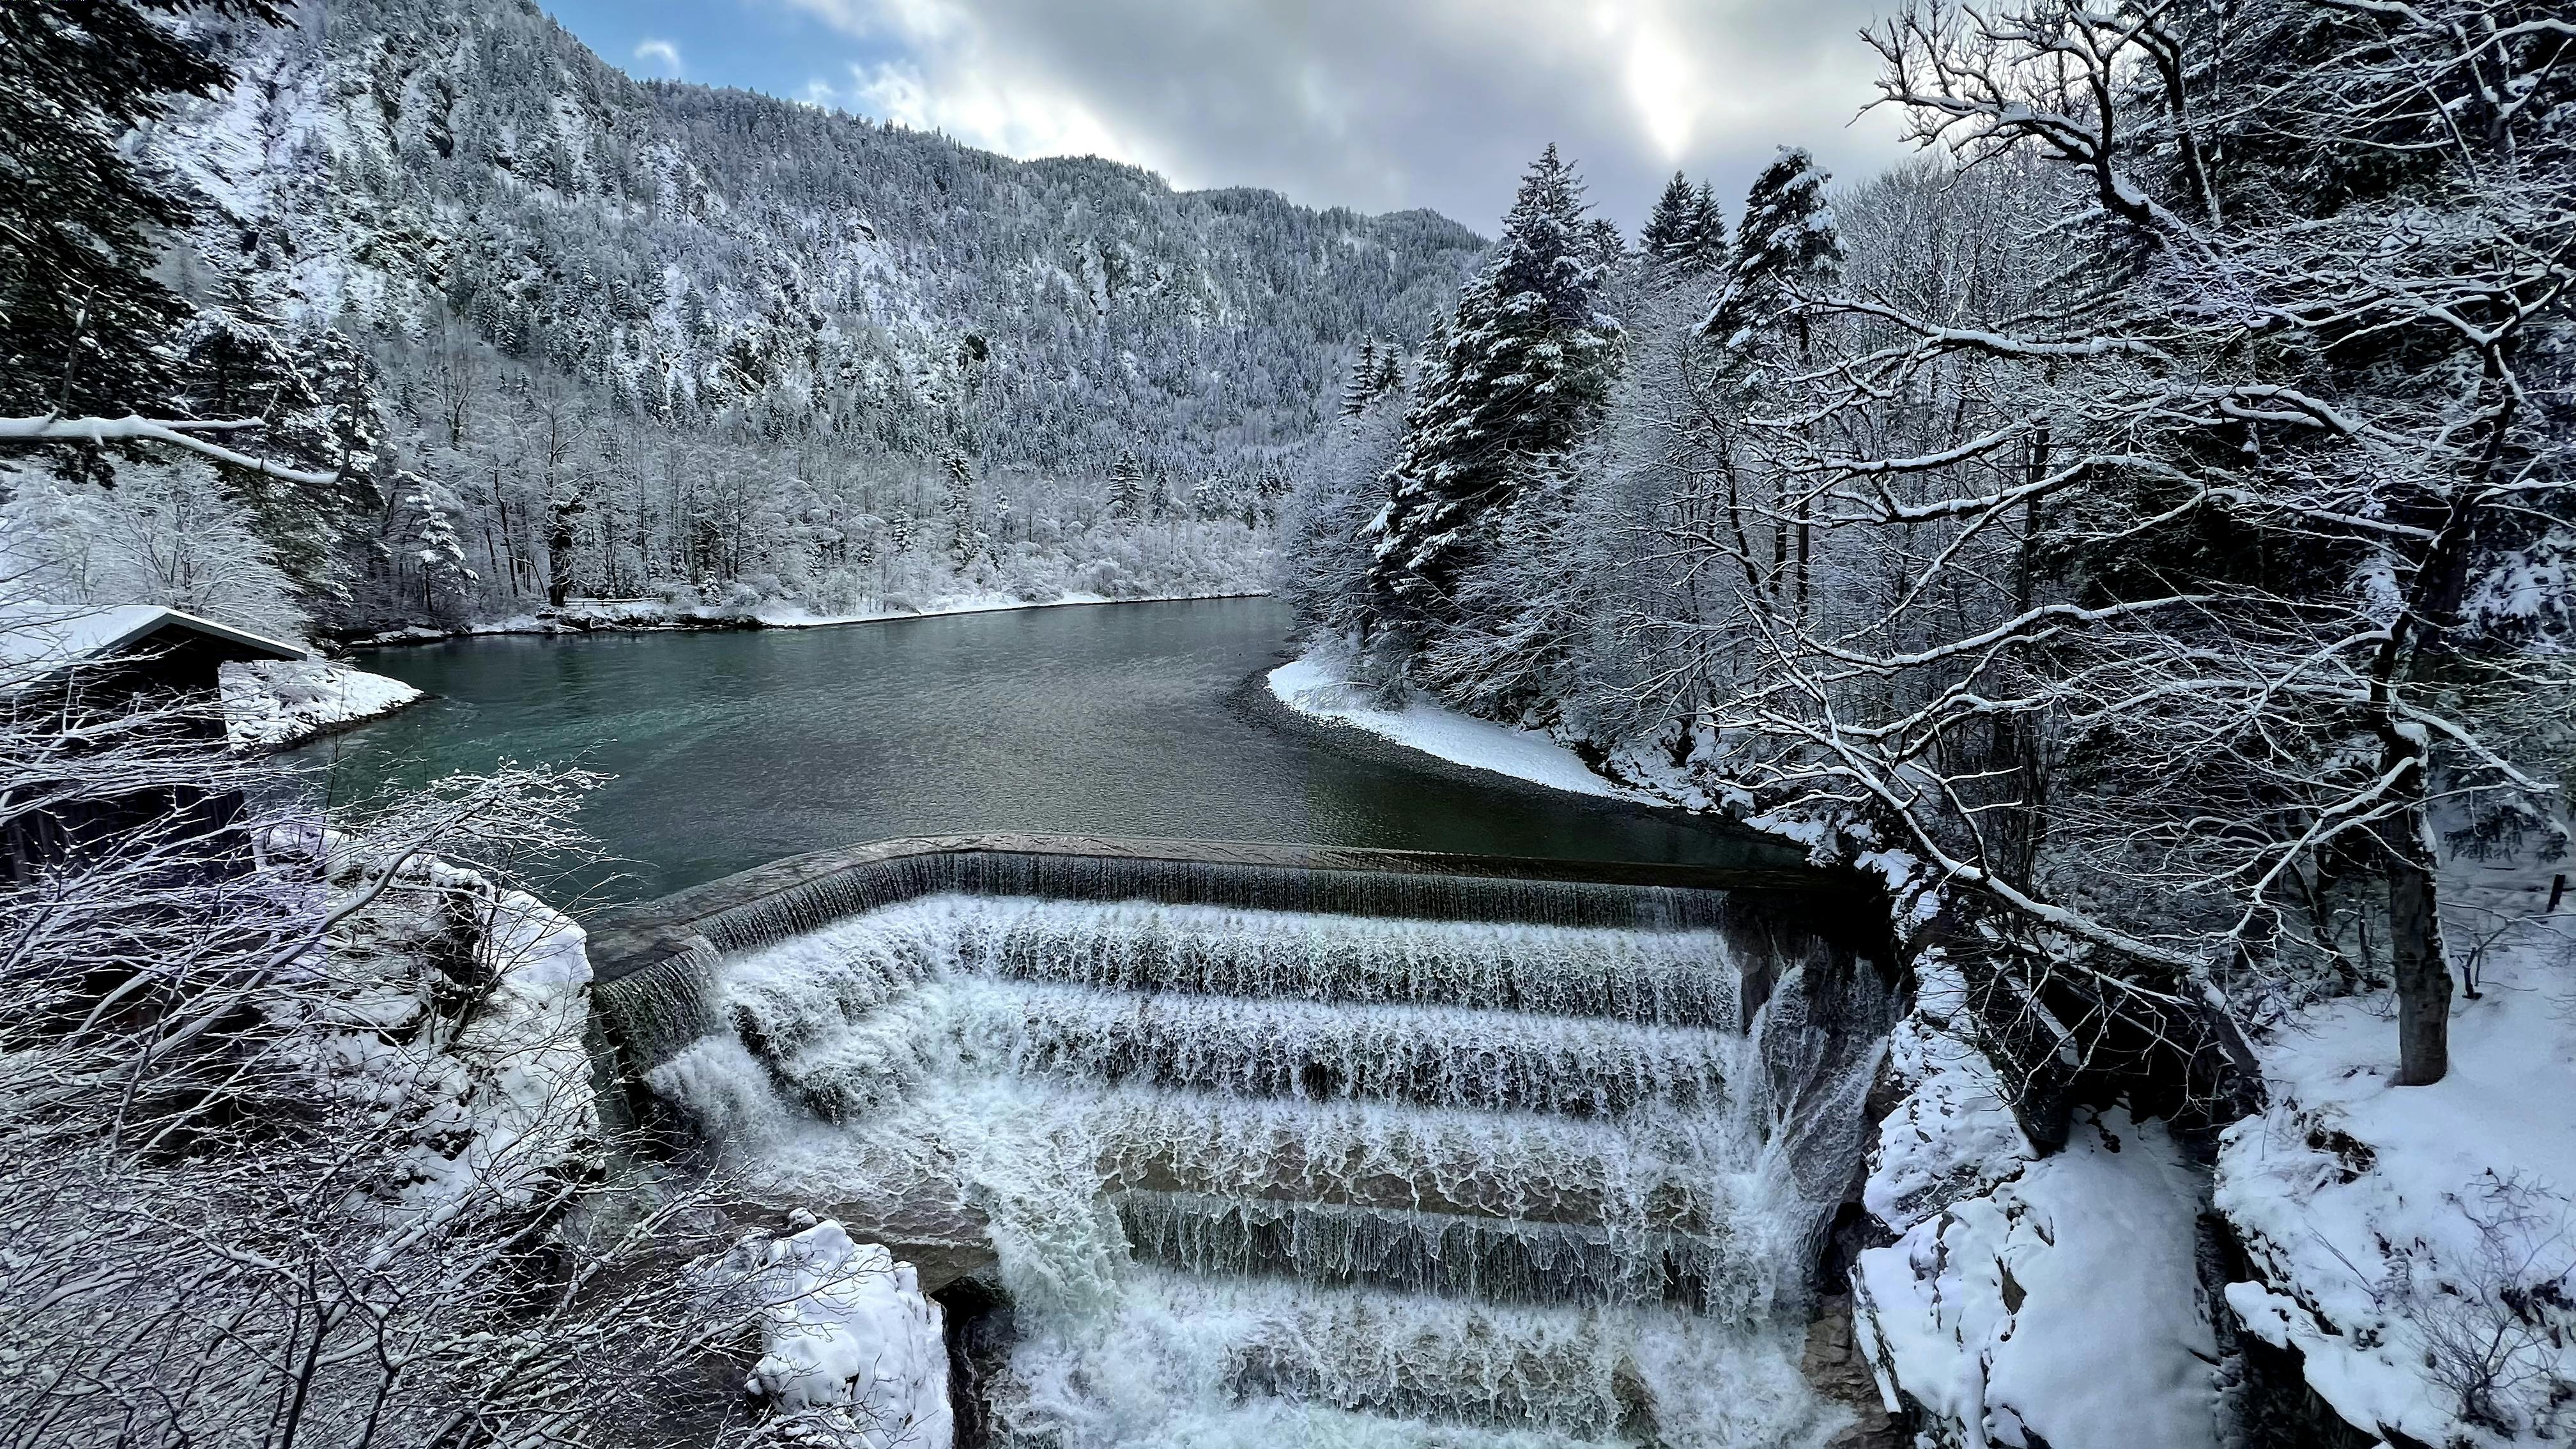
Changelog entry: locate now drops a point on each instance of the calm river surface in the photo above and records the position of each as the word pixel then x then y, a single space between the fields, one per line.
pixel 731 749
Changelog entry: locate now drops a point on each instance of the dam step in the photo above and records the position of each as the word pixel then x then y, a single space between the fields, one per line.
pixel 1438 1056
pixel 1495 1260
pixel 1397 1368
pixel 1368 1156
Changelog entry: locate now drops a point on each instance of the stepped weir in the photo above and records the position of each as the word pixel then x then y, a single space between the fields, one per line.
pixel 1266 1145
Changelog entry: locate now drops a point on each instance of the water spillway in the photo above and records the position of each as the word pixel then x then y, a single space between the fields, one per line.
pixel 1265 1151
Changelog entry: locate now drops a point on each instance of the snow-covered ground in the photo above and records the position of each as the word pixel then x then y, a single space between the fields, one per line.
pixel 1314 688
pixel 2417 1245
pixel 275 703
pixel 2030 1299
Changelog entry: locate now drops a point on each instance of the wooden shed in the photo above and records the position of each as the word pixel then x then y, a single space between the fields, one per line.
pixel 67 673
pixel 124 650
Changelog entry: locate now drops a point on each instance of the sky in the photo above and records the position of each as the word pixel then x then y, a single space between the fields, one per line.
pixel 1378 105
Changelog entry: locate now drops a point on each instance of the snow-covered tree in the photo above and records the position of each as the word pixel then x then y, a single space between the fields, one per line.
pixel 1515 379
pixel 86 327
pixel 1685 234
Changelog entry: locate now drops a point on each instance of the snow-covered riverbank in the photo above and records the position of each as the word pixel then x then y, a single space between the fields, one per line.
pixel 2417 1245
pixel 641 615
pixel 1314 688
pixel 271 704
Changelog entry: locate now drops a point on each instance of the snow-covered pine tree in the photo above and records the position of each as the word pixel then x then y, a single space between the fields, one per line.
pixel 1787 248
pixel 1521 374
pixel 1126 488
pixel 1673 226
pixel 1785 244
pixel 1389 381
pixel 1708 221
pixel 1686 234
pixel 965 537
pixel 84 324
pixel 1362 385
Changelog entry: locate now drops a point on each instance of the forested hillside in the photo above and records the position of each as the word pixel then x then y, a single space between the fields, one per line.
pixel 560 332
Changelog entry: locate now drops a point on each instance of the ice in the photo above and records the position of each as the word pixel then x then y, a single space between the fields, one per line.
pixel 848 1341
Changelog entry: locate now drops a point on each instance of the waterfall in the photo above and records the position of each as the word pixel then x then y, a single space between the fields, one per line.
pixel 1260 1175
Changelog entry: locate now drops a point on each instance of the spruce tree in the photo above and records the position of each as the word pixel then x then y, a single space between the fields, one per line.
pixel 1787 246
pixel 1673 227
pixel 965 538
pixel 1389 381
pixel 1362 386
pixel 84 327
pixel 1708 231
pixel 1686 234
pixel 1126 488
pixel 1522 371
pixel 1787 241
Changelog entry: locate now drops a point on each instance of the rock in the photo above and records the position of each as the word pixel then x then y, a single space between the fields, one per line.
pixel 1834 1365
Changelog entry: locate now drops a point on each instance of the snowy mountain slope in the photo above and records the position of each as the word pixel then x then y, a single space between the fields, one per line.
pixel 715 253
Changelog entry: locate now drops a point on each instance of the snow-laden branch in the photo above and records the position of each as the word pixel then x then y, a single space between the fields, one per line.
pixel 176 433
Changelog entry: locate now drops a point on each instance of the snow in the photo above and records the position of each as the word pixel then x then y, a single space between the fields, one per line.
pixel 277 703
pixel 2412 1241
pixel 2027 1299
pixel 36 635
pixel 848 1341
pixel 790 616
pixel 529 1103
pixel 496 1105
pixel 1314 688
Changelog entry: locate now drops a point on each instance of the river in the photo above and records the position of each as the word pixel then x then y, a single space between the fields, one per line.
pixel 731 748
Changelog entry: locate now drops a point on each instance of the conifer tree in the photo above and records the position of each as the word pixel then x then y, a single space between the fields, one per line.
pixel 965 538
pixel 1708 231
pixel 1362 386
pixel 84 325
pixel 1686 234
pixel 1522 372
pixel 1787 241
pixel 1673 226
pixel 1126 488
pixel 1390 374
pixel 1786 246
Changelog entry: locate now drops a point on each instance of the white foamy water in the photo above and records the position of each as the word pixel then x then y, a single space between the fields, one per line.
pixel 1266 1178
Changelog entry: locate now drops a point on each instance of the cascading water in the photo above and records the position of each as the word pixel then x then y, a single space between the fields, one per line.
pixel 1262 1177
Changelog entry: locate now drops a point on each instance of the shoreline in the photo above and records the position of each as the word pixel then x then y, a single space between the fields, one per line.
pixel 664 621
pixel 1308 688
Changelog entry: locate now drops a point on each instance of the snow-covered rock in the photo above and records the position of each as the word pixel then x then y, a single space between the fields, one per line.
pixel 2417 1245
pixel 2029 1300
pixel 275 703
pixel 458 1008
pixel 849 1343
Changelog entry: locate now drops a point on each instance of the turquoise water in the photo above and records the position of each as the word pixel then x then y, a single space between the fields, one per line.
pixel 731 749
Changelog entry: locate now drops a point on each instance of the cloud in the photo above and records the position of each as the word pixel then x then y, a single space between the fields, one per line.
pixel 1432 103
pixel 660 52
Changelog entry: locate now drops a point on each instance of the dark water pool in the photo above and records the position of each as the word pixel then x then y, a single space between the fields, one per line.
pixel 730 749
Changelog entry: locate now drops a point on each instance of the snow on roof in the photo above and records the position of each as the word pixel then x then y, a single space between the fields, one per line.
pixel 42 637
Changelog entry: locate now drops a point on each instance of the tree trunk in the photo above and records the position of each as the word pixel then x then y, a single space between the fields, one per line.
pixel 559 541
pixel 2423 974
